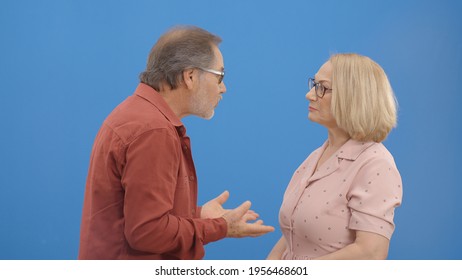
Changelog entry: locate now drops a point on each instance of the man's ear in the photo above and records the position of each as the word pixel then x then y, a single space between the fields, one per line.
pixel 189 77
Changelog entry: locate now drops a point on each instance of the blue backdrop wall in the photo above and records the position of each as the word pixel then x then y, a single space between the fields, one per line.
pixel 64 65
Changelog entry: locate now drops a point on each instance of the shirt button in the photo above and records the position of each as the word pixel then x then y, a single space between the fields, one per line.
pixel 191 178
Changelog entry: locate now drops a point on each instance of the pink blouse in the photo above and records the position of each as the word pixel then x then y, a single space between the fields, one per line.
pixel 357 188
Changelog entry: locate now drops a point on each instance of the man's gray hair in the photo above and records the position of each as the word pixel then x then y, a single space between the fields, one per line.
pixel 177 50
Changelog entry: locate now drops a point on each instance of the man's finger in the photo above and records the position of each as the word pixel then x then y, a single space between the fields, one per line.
pixel 259 229
pixel 253 213
pixel 242 209
pixel 250 217
pixel 222 198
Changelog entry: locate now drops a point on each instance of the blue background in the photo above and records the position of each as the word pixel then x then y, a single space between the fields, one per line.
pixel 64 65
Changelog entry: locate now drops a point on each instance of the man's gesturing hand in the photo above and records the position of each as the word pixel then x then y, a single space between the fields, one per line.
pixel 238 225
pixel 214 208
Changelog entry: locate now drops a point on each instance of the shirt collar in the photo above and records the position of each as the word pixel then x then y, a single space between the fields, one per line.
pixel 352 149
pixel 152 96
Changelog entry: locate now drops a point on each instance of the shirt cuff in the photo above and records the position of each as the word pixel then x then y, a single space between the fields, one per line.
pixel 214 229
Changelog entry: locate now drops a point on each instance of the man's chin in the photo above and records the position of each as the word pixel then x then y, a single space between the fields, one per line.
pixel 210 116
pixel 207 116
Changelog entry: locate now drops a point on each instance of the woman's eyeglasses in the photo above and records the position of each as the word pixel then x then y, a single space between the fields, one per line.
pixel 318 87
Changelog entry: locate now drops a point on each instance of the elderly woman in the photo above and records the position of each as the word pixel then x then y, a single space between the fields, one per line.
pixel 340 202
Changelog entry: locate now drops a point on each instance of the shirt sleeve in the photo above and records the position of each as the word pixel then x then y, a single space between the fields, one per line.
pixel 198 211
pixel 150 180
pixel 373 197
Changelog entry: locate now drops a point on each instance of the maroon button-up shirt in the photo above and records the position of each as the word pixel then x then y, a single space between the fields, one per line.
pixel 141 191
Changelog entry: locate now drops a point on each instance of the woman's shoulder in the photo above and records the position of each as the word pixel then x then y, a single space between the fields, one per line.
pixel 378 155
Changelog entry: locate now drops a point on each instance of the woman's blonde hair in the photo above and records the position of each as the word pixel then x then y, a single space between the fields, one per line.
pixel 363 103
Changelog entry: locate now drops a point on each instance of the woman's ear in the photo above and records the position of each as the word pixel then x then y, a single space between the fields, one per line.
pixel 189 77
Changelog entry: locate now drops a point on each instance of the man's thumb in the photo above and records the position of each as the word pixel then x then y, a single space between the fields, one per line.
pixel 222 198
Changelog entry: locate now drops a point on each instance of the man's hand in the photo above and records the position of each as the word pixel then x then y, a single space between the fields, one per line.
pixel 238 225
pixel 214 208
pixel 237 219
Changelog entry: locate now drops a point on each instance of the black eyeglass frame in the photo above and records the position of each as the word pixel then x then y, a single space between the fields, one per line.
pixel 319 89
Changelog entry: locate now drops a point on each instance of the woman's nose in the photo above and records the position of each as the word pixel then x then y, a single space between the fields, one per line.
pixel 311 95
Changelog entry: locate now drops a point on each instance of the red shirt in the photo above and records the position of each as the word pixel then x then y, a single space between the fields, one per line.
pixel 141 191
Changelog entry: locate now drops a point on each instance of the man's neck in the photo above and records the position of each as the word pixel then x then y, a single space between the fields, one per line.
pixel 176 100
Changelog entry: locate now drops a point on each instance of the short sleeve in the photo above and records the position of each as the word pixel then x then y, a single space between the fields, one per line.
pixel 373 197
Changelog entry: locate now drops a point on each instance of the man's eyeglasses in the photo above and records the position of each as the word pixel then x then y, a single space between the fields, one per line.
pixel 221 74
pixel 318 87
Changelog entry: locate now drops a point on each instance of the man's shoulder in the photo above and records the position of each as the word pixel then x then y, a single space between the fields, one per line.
pixel 135 116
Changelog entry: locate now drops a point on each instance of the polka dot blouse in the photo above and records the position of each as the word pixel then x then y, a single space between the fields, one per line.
pixel 358 188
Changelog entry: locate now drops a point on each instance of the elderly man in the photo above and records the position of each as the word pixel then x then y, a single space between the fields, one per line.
pixel 141 191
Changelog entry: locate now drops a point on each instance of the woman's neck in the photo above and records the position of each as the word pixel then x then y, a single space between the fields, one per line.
pixel 336 138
